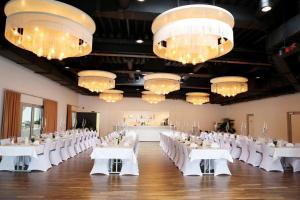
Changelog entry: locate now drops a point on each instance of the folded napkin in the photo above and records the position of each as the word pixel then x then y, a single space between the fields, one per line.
pixel 271 144
pixel 104 144
pixel 36 142
pixel 126 144
pixel 215 145
pixel 193 145
pixel 289 145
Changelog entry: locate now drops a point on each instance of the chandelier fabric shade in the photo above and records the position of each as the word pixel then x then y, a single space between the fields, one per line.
pixel 229 86
pixel 152 98
pixel 193 33
pixel 197 98
pixel 162 83
pixel 49 28
pixel 96 81
pixel 111 96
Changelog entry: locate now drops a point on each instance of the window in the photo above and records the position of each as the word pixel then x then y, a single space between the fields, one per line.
pixel 32 118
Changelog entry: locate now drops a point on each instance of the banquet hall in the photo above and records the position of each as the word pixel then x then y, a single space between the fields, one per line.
pixel 150 99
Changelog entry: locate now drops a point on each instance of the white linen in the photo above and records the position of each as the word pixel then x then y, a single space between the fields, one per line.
pixel 21 150
pixel 210 153
pixel 286 152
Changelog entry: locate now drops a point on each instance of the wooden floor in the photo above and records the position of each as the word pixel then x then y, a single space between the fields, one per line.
pixel 159 179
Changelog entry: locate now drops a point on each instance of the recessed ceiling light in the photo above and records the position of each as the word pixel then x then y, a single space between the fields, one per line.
pixel 138 71
pixel 140 0
pixel 258 77
pixel 139 41
pixel 67 67
pixel 137 89
pixel 191 73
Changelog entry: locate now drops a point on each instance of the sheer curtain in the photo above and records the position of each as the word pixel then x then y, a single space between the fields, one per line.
pixel 11 122
pixel 50 116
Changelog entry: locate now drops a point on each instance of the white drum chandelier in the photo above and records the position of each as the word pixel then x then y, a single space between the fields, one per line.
pixel 152 98
pixel 193 33
pixel 96 81
pixel 229 86
pixel 49 28
pixel 197 98
pixel 162 83
pixel 111 96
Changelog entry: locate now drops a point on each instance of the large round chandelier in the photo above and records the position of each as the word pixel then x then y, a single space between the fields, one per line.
pixel 229 86
pixel 152 98
pixel 111 96
pixel 49 28
pixel 96 81
pixel 162 83
pixel 193 33
pixel 197 98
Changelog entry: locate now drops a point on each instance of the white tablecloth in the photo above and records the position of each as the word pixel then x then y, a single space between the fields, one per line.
pixel 288 152
pixel 21 150
pixel 101 155
pixel 210 153
pixel 114 153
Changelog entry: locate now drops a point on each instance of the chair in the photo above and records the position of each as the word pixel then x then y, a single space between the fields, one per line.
pixel 71 147
pixel 55 157
pixel 235 150
pixel 255 157
pixel 64 150
pixel 190 167
pixel 245 151
pixel 82 143
pixel 42 162
pixel 268 163
pixel 8 162
pixel 77 145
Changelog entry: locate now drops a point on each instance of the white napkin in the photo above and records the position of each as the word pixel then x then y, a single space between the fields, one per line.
pixel 215 145
pixel 289 145
pixel 126 144
pixel 36 142
pixel 193 145
pixel 104 144
pixel 271 144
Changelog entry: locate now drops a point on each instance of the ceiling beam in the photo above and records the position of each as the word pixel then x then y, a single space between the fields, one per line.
pixel 148 10
pixel 152 56
pixel 283 33
pixel 283 68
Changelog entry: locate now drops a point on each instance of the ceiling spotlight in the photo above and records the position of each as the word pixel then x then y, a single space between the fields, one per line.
pixel 258 77
pixel 138 71
pixel 140 0
pixel 191 73
pixel 66 67
pixel 265 5
pixel 139 41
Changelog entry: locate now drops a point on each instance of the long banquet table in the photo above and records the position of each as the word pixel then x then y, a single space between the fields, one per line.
pixel 16 152
pixel 194 155
pixel 102 155
pixel 109 150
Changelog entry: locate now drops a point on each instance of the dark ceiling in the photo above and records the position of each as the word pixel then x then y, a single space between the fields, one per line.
pixel 258 38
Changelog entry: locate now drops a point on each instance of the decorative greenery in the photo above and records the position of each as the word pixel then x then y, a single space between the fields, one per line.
pixel 226 124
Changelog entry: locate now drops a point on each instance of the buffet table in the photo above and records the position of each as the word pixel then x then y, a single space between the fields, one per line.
pixel 149 133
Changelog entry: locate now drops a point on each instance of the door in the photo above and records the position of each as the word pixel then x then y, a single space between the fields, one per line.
pixel 250 124
pixel 31 122
pixel 294 127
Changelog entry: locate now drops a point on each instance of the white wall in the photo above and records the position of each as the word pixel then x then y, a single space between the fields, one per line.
pixel 180 111
pixel 273 111
pixel 18 78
